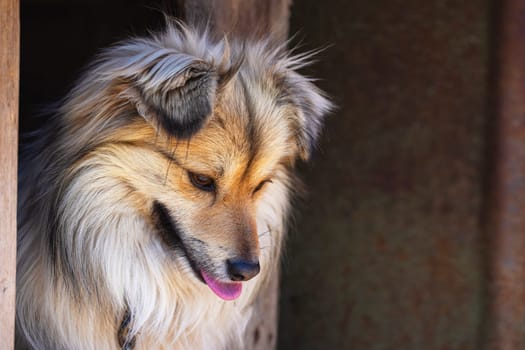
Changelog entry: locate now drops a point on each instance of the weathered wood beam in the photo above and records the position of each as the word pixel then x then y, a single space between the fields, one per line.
pixel 242 18
pixel 506 210
pixel 9 63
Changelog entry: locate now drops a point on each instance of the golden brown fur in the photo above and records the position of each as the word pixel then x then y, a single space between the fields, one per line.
pixel 112 224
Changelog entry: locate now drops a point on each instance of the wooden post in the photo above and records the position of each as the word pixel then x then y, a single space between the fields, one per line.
pixel 241 18
pixel 506 230
pixel 9 63
pixel 248 18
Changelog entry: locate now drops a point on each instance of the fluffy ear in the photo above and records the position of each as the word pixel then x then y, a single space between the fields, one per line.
pixel 173 91
pixel 312 106
pixel 177 96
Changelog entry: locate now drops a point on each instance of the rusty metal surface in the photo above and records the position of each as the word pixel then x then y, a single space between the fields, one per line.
pixel 388 248
pixel 506 229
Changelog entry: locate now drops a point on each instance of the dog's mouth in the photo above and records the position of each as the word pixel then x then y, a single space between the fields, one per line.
pixel 224 290
pixel 170 233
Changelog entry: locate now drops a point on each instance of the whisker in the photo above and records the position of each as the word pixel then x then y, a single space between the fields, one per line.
pixel 267 232
pixel 264 234
pixel 172 150
pixel 167 172
pixel 188 147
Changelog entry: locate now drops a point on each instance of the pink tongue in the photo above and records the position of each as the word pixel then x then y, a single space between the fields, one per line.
pixel 224 290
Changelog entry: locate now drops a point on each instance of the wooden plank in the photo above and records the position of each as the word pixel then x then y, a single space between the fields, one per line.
pixel 9 63
pixel 506 229
pixel 242 18
pixel 248 19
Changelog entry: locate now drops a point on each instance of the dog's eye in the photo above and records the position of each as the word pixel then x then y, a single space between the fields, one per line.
pixel 202 182
pixel 260 185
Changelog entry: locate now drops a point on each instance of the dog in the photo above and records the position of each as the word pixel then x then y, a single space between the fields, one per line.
pixel 153 206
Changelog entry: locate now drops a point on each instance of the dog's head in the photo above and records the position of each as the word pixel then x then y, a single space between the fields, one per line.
pixel 199 139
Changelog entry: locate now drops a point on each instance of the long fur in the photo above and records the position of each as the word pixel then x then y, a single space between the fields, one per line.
pixel 91 253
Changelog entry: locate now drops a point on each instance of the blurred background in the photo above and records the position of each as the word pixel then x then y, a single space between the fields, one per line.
pixel 389 248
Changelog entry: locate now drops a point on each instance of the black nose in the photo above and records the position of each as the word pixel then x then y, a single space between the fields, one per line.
pixel 242 270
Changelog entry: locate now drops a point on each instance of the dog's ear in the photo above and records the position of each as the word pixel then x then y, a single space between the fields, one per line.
pixel 176 93
pixel 311 107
